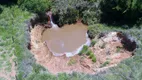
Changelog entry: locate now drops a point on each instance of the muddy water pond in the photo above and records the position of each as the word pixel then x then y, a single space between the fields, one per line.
pixel 68 39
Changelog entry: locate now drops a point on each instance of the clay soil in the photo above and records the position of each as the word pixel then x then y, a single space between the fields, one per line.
pixel 107 49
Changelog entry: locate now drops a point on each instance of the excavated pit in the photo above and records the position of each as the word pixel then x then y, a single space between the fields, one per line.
pixel 67 40
pixel 108 48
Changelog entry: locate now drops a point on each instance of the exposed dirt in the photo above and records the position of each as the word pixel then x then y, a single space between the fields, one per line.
pixel 108 50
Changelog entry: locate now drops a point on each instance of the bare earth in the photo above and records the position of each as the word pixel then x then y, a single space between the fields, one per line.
pixel 106 49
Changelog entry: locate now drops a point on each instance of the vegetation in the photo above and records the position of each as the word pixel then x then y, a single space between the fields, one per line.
pixel 93 42
pixel 36 6
pixel 94 59
pixel 84 50
pixel 91 55
pixel 100 15
pixel 88 52
pixel 104 64
pixel 121 12
pixel 118 49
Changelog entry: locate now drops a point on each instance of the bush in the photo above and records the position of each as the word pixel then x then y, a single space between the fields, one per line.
pixel 92 14
pixel 41 76
pixel 68 11
pixel 84 50
pixel 36 6
pixel 90 17
pixel 88 52
pixel 93 42
pixel 105 64
pixel 93 31
pixel 70 17
pixel 91 55
pixel 94 59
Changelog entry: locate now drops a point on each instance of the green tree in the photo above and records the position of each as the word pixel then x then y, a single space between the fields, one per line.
pixel 36 6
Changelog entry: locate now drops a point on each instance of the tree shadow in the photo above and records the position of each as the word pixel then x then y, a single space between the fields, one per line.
pixel 8 2
pixel 113 13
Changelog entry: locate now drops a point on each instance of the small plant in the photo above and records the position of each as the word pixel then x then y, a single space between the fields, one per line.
pixel 71 62
pixel 118 49
pixel 105 64
pixel 94 59
pixel 91 55
pixel 93 42
pixel 88 52
pixel 85 47
pixel 84 50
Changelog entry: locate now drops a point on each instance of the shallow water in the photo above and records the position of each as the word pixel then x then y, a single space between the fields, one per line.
pixel 66 39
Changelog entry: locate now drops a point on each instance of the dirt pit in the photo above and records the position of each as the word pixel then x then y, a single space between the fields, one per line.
pixel 67 40
pixel 108 50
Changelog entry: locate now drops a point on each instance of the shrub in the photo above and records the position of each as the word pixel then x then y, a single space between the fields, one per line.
pixel 68 11
pixel 87 10
pixel 70 17
pixel 104 64
pixel 94 59
pixel 90 17
pixel 88 52
pixel 63 76
pixel 41 76
pixel 91 55
pixel 93 42
pixel 84 50
pixel 93 31
pixel 92 14
pixel 36 6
